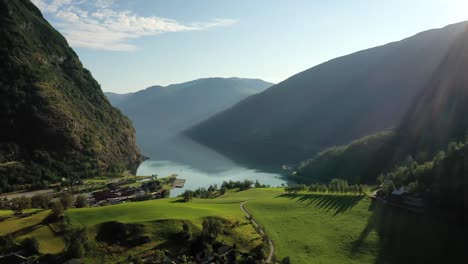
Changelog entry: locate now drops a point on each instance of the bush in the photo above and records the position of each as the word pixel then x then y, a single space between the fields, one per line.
pixel 188 195
pixel 30 245
pixel 124 234
pixel 286 260
pixel 57 211
pixel 7 243
pixel 165 193
pixel 41 201
pixel 67 200
pixel 81 201
pixel 20 204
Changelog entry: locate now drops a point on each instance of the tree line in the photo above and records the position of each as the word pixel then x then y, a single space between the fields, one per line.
pixel 335 186
pixel 43 201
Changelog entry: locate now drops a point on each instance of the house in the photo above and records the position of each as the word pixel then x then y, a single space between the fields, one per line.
pixel 104 195
pixel 399 192
pixel 412 201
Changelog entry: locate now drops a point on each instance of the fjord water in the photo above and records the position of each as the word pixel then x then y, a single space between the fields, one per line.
pixel 199 165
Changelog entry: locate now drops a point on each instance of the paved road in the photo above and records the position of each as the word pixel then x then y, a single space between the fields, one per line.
pixel 256 225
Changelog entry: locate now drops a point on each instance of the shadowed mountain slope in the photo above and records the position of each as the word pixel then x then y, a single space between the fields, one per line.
pixel 330 104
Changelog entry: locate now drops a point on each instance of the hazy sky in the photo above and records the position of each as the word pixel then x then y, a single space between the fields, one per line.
pixel 131 44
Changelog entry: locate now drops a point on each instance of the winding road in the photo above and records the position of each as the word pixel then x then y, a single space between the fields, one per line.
pixel 258 227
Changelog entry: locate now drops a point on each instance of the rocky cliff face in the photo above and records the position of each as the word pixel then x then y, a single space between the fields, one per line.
pixel 55 120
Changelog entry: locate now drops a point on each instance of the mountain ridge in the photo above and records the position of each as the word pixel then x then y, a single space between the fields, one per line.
pixel 359 94
pixel 160 113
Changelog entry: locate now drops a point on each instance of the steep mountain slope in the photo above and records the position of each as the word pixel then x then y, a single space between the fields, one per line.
pixel 439 114
pixel 162 112
pixel 330 104
pixel 436 118
pixel 56 121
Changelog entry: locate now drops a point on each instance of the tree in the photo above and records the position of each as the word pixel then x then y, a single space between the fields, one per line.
pixel 212 227
pixel 380 179
pixel 76 249
pixel 186 230
pixel 165 193
pixel 31 245
pixel 67 200
pixel 40 201
pixel 159 256
pixel 6 243
pixel 257 184
pixel 57 210
pixel 19 204
pixel 223 190
pixel 188 196
pixel 81 201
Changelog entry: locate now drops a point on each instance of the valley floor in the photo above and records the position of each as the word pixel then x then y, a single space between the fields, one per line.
pixel 307 227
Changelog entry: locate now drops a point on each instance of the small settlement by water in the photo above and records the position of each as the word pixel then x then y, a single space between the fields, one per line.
pixel 151 188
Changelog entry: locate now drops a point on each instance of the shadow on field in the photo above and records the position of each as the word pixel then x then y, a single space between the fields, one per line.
pixel 26 230
pixel 408 237
pixel 339 203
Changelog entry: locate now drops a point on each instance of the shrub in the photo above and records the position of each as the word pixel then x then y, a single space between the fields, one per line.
pixel 30 245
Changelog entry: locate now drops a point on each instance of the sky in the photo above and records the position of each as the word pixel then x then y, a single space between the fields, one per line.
pixel 130 45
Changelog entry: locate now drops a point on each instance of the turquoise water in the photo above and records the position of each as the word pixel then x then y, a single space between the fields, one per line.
pixel 199 165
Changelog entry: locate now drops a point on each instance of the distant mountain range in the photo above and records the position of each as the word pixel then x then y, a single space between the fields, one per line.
pixel 330 104
pixel 160 113
pixel 56 121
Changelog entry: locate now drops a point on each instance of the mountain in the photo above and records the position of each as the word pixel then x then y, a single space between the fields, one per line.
pixel 117 99
pixel 330 104
pixel 159 113
pixel 439 114
pixel 350 162
pixel 435 120
pixel 56 121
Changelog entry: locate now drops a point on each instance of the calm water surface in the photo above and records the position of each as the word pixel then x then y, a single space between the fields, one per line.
pixel 199 165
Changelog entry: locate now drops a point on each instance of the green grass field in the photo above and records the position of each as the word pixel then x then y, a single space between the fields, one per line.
pixel 226 206
pixel 163 220
pixel 308 227
pixel 6 212
pixel 33 226
pixel 318 228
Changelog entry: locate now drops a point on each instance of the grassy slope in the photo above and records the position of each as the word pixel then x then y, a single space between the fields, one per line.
pixel 317 228
pixel 163 220
pixel 32 226
pixel 226 206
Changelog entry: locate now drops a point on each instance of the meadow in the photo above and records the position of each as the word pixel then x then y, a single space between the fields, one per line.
pixel 307 227
pixel 317 228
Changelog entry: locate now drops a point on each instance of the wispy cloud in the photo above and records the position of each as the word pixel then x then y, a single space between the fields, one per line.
pixel 97 25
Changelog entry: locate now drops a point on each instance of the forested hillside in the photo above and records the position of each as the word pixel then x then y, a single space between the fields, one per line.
pixel 56 121
pixel 330 104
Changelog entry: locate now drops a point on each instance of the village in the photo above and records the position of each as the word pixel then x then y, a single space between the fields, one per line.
pixel 105 190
